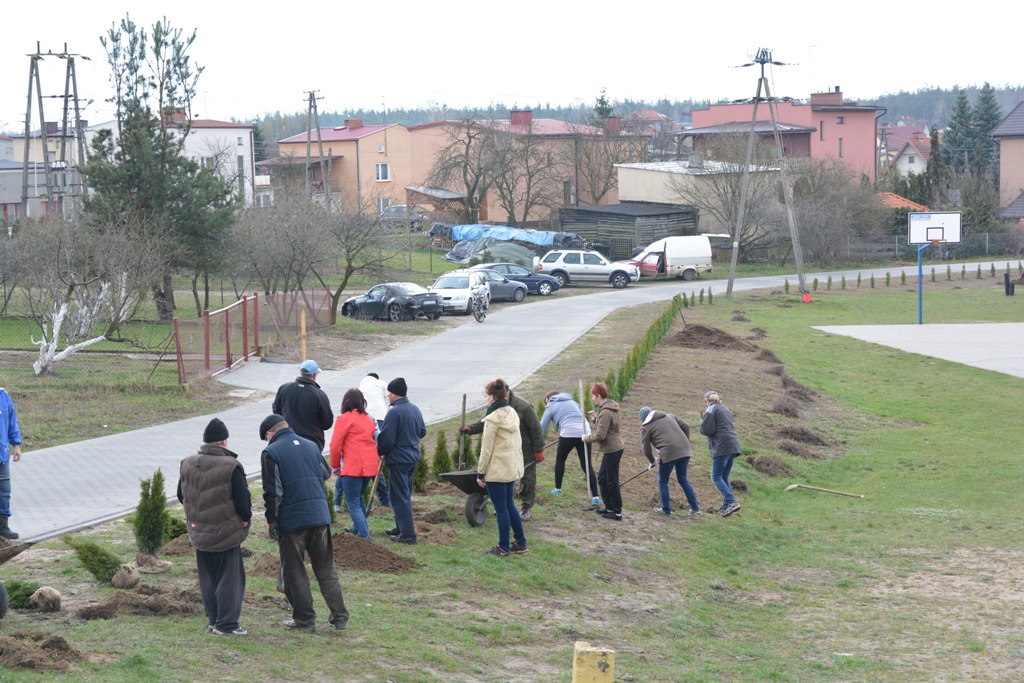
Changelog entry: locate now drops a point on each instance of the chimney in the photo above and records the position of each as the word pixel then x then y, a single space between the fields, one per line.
pixel 521 117
pixel 612 125
pixel 353 123
pixel 52 127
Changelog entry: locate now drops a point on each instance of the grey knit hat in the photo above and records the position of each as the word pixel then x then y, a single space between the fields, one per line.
pixel 644 412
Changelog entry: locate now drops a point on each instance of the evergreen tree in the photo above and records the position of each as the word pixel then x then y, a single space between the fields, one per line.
pixel 987 116
pixel 151 520
pixel 936 173
pixel 442 458
pixel 602 109
pixel 960 140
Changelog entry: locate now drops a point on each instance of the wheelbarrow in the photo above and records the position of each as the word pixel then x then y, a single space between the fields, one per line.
pixel 476 502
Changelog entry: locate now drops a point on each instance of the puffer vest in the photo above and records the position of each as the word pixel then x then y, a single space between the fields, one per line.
pixel 212 520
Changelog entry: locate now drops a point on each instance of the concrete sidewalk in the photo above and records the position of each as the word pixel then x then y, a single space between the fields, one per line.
pixel 65 488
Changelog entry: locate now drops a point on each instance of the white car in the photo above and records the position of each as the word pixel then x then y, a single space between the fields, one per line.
pixel 576 265
pixel 457 288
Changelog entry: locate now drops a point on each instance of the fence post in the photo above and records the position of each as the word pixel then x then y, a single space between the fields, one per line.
pixel 181 361
pixel 256 321
pixel 245 327
pixel 227 338
pixel 206 340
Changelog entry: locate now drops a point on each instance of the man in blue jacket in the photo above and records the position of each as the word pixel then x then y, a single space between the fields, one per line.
pixel 10 449
pixel 294 472
pixel 399 443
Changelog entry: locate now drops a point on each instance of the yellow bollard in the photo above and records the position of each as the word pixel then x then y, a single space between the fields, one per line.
pixel 593 664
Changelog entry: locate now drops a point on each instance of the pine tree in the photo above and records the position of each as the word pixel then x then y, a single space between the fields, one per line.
pixel 150 522
pixel 960 141
pixel 442 459
pixel 987 115
pixel 421 474
pixel 98 561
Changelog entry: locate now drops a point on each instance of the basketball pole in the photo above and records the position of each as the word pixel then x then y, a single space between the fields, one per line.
pixel 920 279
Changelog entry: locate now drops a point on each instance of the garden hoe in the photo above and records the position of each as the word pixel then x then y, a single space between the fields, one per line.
pixel 815 488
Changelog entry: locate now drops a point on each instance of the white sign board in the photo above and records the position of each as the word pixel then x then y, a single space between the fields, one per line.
pixel 925 228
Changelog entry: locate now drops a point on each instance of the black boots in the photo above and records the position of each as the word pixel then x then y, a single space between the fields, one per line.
pixel 5 531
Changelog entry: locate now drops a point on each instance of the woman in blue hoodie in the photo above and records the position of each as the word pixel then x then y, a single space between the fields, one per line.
pixel 563 411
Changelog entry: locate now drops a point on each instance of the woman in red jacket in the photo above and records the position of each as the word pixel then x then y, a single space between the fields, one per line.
pixel 354 458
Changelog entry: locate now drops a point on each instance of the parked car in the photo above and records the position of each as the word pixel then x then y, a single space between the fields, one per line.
pixel 394 301
pixel 502 288
pixel 535 282
pixel 403 216
pixel 456 289
pixel 576 265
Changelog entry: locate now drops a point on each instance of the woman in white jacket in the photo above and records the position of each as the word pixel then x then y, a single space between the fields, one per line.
pixel 501 466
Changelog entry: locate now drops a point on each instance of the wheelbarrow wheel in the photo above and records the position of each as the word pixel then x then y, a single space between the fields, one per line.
pixel 476 509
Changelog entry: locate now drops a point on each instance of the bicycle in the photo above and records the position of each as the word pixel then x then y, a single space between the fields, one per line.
pixel 479 306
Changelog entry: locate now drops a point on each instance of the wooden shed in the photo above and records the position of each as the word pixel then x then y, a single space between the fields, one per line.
pixel 617 229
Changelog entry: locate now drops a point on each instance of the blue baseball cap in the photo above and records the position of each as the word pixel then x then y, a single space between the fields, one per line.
pixel 309 367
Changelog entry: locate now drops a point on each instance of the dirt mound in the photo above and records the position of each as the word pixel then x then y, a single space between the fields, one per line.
pixel 797 390
pixel 803 435
pixel 703 337
pixel 178 546
pixel 772 465
pixel 352 552
pixel 24 651
pixel 787 406
pixel 738 484
pixel 795 448
pixel 777 370
pixel 767 355
pixel 143 602
pixel 758 332
pixel 740 317
pixel 445 515
pixel 266 565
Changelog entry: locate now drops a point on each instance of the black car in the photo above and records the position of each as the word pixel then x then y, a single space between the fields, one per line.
pixel 395 301
pixel 536 283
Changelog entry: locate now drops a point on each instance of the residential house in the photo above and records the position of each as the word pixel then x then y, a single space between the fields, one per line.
pixel 12 179
pixel 827 127
pixel 365 165
pixel 892 137
pixel 1010 134
pixel 227 148
pixel 913 156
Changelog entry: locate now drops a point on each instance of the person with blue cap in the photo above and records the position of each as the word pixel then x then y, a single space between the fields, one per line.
pixel 305 406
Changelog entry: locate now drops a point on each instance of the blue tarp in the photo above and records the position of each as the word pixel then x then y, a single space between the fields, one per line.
pixel 541 238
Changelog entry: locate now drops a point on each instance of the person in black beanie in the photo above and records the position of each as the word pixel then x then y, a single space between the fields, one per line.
pixel 399 443
pixel 218 509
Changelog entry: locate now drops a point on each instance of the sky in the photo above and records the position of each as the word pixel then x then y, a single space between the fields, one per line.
pixel 457 53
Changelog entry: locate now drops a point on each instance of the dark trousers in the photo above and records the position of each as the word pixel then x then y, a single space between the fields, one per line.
pixel 608 480
pixel 565 445
pixel 505 513
pixel 383 495
pixel 528 485
pixel 293 546
pixel 221 585
pixel 401 501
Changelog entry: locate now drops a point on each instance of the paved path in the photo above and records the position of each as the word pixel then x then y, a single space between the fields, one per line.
pixel 65 488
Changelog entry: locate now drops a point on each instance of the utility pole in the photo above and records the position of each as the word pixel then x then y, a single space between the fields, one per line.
pixel 313 117
pixel 763 57
pixel 70 97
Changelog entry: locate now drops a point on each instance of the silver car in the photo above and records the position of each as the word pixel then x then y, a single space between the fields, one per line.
pixel 457 288
pixel 579 266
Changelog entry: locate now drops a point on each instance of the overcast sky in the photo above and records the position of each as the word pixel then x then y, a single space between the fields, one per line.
pixel 377 55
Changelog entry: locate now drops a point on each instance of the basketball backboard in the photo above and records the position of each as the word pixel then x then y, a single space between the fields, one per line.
pixel 938 226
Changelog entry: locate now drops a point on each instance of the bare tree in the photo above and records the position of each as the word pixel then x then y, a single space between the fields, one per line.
pixel 464 162
pixel 525 171
pixel 593 157
pixel 714 188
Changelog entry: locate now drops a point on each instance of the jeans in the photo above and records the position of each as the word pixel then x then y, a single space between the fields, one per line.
pixel 354 488
pixel 608 480
pixel 222 586
pixel 720 469
pixel 565 445
pixel 5 488
pixel 401 501
pixel 505 513
pixel 665 475
pixel 293 546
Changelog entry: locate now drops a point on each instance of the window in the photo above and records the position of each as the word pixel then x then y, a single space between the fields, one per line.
pixel 382 204
pixel 911 159
pixel 840 120
pixel 840 148
pixel 239 140
pixel 571 258
pixel 208 162
pixel 593 260
pixel 821 130
pixel 384 172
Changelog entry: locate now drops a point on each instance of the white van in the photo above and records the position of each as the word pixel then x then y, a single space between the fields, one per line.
pixel 676 256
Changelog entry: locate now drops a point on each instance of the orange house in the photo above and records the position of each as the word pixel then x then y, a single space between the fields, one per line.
pixel 827 127
pixel 367 165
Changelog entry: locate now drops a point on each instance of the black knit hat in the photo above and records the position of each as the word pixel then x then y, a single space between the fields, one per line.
pixel 268 422
pixel 398 387
pixel 215 431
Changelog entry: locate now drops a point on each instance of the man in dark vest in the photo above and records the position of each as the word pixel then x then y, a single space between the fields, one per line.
pixel 294 472
pixel 305 406
pixel 215 494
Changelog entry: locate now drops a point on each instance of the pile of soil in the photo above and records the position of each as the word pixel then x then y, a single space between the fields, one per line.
pixel 145 601
pixel 802 435
pixel 772 465
pixel 178 546
pixel 702 337
pixel 24 651
pixel 350 552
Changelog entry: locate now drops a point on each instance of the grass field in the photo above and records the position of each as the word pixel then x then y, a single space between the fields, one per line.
pixel 917 581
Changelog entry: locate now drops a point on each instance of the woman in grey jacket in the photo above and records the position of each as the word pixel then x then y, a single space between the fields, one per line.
pixel 671 436
pixel 724 444
pixel 563 411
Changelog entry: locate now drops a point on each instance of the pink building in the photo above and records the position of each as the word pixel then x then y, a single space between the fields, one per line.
pixel 825 128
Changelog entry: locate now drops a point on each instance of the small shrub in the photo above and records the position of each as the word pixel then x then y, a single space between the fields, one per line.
pixel 421 474
pixel 711 297
pixel 540 408
pixel 814 284
pixel 151 518
pixel 785 285
pixel 888 278
pixel 96 560
pixel 701 297
pixel 992 270
pixel 858 280
pixel 693 299
pixel 933 273
pixel 842 282
pixel 903 277
pixel 872 281
pixel 613 385
pixel 963 272
pixel 442 458
pixel 949 272
pixel 686 302
pixel 175 527
pixel 18 592
pixel 828 283
pixel 329 494
pixel 979 272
